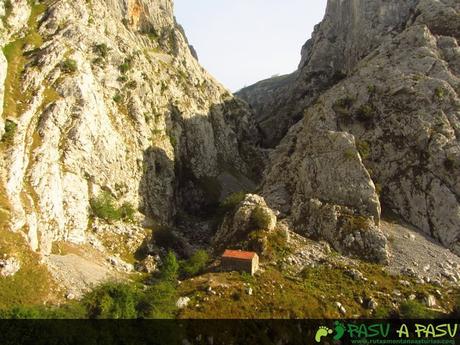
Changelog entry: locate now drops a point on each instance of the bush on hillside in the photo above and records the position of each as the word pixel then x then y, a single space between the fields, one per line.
pixel 196 264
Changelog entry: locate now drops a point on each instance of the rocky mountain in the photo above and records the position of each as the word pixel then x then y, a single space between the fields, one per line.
pixel 371 119
pixel 111 131
pixel 106 96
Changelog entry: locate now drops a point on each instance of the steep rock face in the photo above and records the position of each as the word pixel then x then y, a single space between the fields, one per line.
pixel 106 96
pixel 350 30
pixel 391 127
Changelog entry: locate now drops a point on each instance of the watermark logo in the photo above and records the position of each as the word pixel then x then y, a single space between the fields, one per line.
pixel 389 333
pixel 324 331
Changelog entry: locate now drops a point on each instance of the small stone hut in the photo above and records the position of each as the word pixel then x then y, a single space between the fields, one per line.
pixel 237 260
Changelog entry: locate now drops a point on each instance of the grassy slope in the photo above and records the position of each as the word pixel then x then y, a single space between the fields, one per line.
pixel 15 96
pixel 33 283
pixel 312 294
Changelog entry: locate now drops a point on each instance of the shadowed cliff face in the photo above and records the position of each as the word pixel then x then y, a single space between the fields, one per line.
pixel 378 85
pixel 96 89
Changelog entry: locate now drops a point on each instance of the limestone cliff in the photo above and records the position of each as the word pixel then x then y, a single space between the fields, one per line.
pixel 378 94
pixel 350 30
pixel 105 95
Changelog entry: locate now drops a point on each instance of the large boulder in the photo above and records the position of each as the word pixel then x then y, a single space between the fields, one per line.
pixel 251 214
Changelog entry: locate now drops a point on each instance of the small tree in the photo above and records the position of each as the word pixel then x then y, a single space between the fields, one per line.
pixel 170 268
pixel 196 264
pixel 104 207
pixel 112 301
pixel 232 201
pixel 158 301
pixel 261 218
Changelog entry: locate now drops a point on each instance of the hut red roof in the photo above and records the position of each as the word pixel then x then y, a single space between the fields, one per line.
pixel 238 254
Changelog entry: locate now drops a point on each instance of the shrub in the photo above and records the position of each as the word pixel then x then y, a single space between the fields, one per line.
pixel 196 264
pixel 415 310
pixel 127 212
pixel 261 218
pixel 353 223
pixel 10 130
pixel 158 301
pixel 117 98
pixel 125 66
pixel 439 93
pixel 372 89
pixel 69 66
pixel 23 312
pixel 112 301
pixel 343 105
pixel 122 79
pixel 102 50
pixel 363 148
pixel 382 313
pixel 365 113
pixel 349 154
pixel 104 207
pixel 232 201
pixel 99 61
pixel 131 85
pixel 170 268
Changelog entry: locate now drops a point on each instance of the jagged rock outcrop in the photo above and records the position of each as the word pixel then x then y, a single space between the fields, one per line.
pixel 390 126
pixel 106 96
pixel 251 214
pixel 350 30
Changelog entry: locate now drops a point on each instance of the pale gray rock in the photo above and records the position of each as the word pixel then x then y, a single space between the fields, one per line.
pixel 430 301
pixel 116 103
pixel 341 308
pixel 240 222
pixel 9 267
pixel 355 274
pixel 372 304
pixel 119 264
pixel 149 265
pixel 350 30
pixel 182 302
pixel 398 107
pixel 317 178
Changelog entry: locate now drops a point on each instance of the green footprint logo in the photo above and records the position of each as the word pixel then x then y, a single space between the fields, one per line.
pixel 323 331
pixel 339 330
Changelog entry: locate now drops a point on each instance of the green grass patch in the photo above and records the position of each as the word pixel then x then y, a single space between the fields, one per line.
pixel 231 202
pixel 10 130
pixel 16 98
pixel 126 66
pixel 69 66
pixel 363 148
pixel 416 310
pixel 32 284
pixel 102 50
pixel 365 113
pixel 117 98
pixel 261 218
pixel 104 206
pixel 350 154
pixel 195 265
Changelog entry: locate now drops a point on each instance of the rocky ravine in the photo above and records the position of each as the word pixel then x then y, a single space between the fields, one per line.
pixel 108 96
pixel 105 95
pixel 378 93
